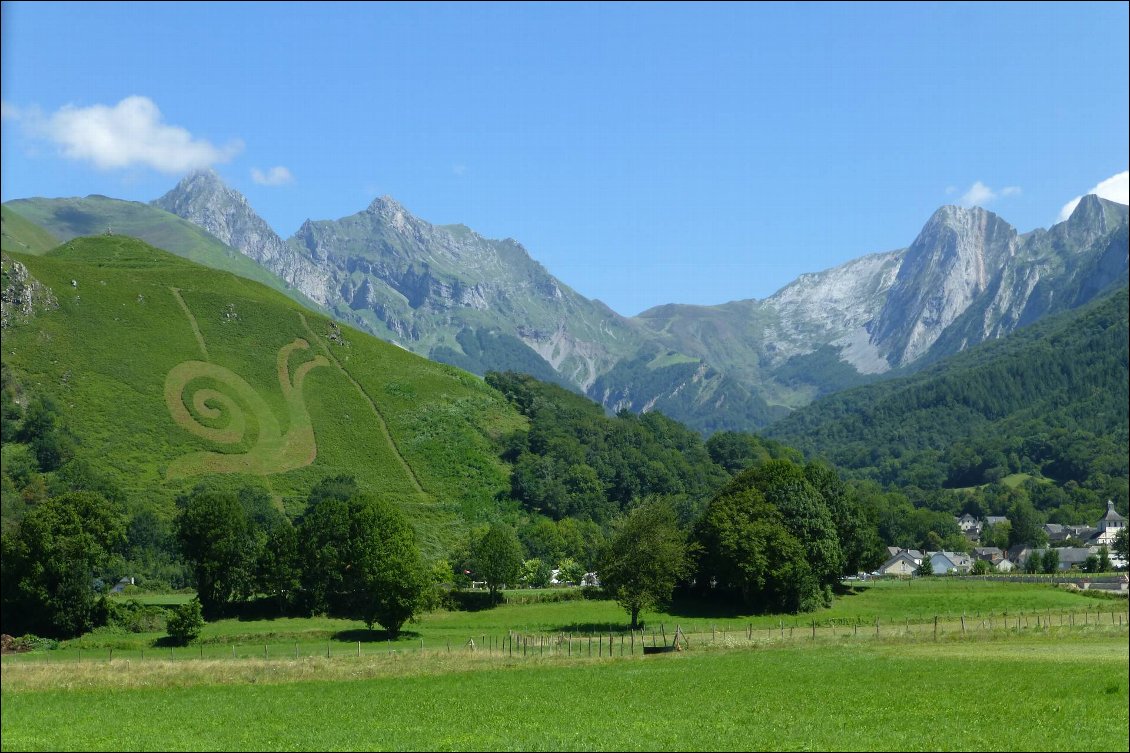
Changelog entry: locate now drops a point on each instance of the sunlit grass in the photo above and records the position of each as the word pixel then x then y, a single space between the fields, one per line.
pixel 1066 691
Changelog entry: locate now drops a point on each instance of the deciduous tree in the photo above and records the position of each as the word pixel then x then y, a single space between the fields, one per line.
pixel 644 558
pixel 497 558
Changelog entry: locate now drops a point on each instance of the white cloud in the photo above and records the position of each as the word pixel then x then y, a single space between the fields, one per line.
pixel 979 194
pixel 8 111
pixel 1114 188
pixel 276 176
pixel 127 134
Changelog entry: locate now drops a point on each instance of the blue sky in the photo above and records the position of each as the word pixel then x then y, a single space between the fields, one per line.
pixel 645 153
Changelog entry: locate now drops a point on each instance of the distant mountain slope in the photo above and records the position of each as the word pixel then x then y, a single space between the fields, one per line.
pixel 95 215
pixel 168 370
pixel 23 236
pixel 454 296
pixel 968 277
pixel 1065 376
pixel 203 200
pixel 421 285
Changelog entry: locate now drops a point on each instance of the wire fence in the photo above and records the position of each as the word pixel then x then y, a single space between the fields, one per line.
pixel 610 642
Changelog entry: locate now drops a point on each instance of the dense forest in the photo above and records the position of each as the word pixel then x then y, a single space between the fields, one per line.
pixel 1045 411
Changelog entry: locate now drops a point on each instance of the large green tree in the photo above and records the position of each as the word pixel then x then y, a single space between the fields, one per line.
pixel 1120 547
pixel 216 539
pixel 644 558
pixel 497 558
pixel 860 545
pixel 805 513
pixel 52 560
pixel 746 547
pixel 361 560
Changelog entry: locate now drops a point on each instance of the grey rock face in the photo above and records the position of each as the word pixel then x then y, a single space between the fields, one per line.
pixel 415 283
pixel 204 200
pixel 950 263
pixel 22 296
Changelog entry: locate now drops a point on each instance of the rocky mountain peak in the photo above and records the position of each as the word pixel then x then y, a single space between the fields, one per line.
pixel 1092 218
pixel 952 261
pixel 205 200
pixel 203 194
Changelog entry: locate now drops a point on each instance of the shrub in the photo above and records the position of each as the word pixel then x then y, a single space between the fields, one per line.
pixel 186 623
pixel 29 643
pixel 135 617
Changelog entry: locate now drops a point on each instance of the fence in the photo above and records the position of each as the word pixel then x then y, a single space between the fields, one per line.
pixel 610 643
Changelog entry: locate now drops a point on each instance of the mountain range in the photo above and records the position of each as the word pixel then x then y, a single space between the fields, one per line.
pixel 446 292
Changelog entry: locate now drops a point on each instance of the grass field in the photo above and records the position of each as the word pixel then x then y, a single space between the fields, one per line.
pixel 900 607
pixel 1037 668
pixel 1057 692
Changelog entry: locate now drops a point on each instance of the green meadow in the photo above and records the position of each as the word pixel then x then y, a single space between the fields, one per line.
pixel 535 680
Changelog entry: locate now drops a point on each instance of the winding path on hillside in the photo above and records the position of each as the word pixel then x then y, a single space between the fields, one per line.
pixel 191 321
pixel 373 406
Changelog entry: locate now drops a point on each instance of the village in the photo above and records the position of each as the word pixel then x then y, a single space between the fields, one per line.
pixel 1070 549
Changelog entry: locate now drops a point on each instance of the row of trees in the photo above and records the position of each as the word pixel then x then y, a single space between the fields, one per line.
pixel 778 538
pixel 350 554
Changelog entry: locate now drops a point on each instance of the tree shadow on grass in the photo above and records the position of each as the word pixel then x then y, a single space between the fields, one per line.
pixel 473 601
pixel 168 641
pixel 719 605
pixel 846 589
pixel 597 628
pixel 364 635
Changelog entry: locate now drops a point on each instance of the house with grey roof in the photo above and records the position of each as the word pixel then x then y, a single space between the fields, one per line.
pixel 990 554
pixel 945 563
pixel 1069 556
pixel 904 563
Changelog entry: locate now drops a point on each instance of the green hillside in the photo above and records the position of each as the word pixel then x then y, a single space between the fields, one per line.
pixel 21 236
pixel 95 215
pixel 166 371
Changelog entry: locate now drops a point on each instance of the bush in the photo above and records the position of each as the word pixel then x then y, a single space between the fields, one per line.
pixel 186 623
pixel 135 617
pixel 29 643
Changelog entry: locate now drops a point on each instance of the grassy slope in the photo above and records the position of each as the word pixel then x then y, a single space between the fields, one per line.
pixel 71 218
pixel 23 236
pixel 104 355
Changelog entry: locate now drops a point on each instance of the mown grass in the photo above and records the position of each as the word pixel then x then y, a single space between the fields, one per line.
pixel 1058 691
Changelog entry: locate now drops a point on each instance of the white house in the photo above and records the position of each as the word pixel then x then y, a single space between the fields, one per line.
pixel 1109 525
